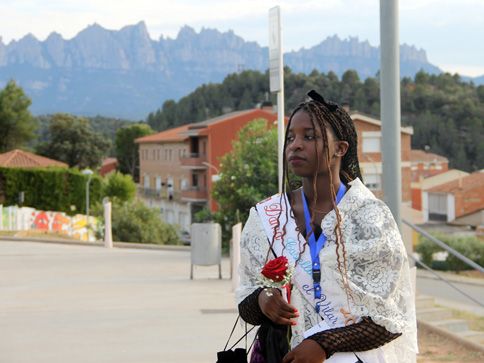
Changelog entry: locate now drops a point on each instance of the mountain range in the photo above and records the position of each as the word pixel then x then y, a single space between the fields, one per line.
pixel 124 73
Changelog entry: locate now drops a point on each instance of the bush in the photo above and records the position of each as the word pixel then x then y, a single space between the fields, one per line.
pixel 55 189
pixel 469 246
pixel 135 222
pixel 119 186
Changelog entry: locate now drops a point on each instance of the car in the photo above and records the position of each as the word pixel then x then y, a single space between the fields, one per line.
pixel 185 237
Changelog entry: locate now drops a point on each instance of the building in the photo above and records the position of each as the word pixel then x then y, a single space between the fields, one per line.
pixel 460 201
pixel 423 185
pixel 370 157
pixel 425 164
pixel 178 166
pixel 24 159
pixel 108 166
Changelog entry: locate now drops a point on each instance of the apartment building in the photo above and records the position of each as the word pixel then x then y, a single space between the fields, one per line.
pixel 179 166
pixel 370 154
pixel 425 164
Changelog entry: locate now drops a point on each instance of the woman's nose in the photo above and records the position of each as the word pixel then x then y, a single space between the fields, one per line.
pixel 296 143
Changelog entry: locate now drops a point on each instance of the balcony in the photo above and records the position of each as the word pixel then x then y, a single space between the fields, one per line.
pixel 194 161
pixel 156 194
pixel 191 194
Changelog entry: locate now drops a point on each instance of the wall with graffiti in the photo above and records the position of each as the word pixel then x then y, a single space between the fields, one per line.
pixel 79 226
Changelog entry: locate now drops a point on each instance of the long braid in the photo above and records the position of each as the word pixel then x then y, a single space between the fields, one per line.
pixel 344 130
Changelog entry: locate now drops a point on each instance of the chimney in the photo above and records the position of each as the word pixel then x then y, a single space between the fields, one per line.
pixel 346 106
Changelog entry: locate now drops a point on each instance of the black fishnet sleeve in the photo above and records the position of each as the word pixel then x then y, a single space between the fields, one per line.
pixel 365 335
pixel 249 309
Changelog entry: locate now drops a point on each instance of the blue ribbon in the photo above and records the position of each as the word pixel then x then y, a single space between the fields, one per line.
pixel 316 246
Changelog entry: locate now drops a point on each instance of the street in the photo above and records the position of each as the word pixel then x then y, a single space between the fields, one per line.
pixel 446 295
pixel 80 304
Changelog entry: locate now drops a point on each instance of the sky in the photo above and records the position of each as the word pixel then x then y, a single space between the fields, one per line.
pixel 451 31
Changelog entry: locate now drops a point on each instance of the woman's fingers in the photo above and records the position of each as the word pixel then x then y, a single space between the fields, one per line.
pixel 276 308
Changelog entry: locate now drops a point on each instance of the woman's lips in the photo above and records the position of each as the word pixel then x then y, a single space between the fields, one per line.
pixel 296 160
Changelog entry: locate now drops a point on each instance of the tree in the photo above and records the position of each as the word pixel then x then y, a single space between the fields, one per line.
pixel 127 151
pixel 248 173
pixel 17 125
pixel 72 141
pixel 135 222
pixel 120 186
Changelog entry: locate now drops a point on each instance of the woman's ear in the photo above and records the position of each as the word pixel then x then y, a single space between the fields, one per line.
pixel 341 147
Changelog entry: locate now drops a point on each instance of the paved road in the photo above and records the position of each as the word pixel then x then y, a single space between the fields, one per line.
pixel 446 295
pixel 73 304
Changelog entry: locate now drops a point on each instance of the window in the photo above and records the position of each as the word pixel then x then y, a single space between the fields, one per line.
pixel 372 181
pixel 158 183
pixel 371 141
pixel 371 144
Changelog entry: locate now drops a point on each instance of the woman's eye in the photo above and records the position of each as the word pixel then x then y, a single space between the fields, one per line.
pixel 310 137
pixel 290 138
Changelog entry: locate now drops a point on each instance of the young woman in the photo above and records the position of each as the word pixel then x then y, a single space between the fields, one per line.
pixel 351 298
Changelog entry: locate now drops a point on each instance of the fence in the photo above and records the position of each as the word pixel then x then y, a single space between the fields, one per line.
pixel 80 227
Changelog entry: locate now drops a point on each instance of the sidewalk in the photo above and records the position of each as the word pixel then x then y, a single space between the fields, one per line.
pixel 67 303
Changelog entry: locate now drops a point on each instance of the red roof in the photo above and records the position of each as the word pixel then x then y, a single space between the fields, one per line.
pixel 463 184
pixel 423 156
pixel 180 134
pixel 171 135
pixel 24 159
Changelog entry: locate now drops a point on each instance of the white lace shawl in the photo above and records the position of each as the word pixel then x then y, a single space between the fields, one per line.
pixel 378 271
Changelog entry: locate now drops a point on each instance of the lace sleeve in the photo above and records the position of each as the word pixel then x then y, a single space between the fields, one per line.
pixel 378 269
pixel 253 249
pixel 365 335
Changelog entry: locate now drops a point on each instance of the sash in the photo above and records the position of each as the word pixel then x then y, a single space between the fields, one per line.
pixel 279 224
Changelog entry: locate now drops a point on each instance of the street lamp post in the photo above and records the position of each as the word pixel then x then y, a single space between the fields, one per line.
pixel 215 177
pixel 89 173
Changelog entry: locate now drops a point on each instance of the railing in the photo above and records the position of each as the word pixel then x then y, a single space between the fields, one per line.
pixel 450 250
pixel 158 193
pixel 194 160
pixel 199 193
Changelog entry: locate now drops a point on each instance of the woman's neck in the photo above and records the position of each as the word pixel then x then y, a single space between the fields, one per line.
pixel 322 188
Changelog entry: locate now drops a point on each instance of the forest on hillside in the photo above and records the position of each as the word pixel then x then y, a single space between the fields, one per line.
pixel 446 112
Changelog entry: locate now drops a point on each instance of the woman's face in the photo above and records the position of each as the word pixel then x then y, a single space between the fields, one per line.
pixel 304 146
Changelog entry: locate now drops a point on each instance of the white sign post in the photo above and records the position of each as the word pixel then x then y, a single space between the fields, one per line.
pixel 276 75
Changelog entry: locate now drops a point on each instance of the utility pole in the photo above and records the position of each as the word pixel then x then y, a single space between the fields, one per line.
pixel 390 106
pixel 276 78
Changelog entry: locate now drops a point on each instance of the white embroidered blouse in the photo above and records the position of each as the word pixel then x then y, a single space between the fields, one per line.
pixel 378 272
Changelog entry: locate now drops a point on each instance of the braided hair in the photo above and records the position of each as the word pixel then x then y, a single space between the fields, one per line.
pixel 328 115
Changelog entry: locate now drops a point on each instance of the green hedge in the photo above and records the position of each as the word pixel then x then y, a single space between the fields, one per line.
pixel 135 222
pixel 54 189
pixel 471 247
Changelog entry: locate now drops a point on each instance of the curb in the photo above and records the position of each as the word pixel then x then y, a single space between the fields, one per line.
pixel 451 336
pixel 451 277
pixel 141 246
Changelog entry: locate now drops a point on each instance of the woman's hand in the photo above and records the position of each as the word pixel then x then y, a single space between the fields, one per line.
pixel 308 351
pixel 276 308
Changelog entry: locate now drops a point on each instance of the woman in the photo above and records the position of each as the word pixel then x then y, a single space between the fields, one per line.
pixel 351 298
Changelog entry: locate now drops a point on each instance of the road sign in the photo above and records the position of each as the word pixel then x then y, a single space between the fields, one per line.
pixel 275 49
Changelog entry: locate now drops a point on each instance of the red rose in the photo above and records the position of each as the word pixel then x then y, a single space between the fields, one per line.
pixel 276 269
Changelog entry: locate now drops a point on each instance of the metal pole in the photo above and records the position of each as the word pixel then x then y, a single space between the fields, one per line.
pixel 87 197
pixel 108 235
pixel 280 133
pixel 276 82
pixel 390 106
